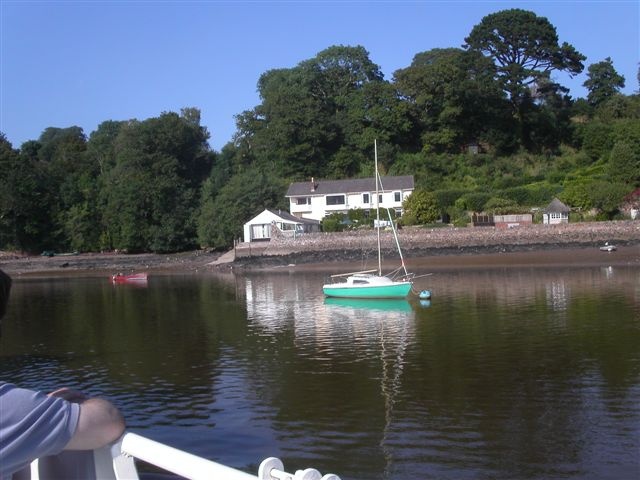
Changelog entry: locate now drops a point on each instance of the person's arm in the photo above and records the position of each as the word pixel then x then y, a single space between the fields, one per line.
pixel 99 423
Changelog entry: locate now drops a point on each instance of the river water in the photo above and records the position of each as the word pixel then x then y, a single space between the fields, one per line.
pixel 528 373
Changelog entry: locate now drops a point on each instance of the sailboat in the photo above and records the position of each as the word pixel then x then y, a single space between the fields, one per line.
pixel 372 283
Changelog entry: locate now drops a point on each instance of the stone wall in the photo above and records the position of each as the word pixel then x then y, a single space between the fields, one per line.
pixel 428 241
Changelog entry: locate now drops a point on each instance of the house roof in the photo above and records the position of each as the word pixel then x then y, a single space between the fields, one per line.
pixel 284 215
pixel 556 206
pixel 353 185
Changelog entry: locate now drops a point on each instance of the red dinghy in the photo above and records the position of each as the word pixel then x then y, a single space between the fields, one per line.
pixel 132 278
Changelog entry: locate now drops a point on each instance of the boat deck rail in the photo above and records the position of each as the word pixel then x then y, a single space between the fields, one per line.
pixel 117 462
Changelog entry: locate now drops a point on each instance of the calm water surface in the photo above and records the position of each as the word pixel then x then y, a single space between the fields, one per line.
pixel 515 373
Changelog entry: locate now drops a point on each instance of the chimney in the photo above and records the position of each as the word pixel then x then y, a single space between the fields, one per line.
pixel 313 185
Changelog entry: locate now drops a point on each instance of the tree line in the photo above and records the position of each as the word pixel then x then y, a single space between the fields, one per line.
pixel 483 127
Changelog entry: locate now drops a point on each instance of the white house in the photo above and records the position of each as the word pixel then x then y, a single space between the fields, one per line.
pixel 556 212
pixel 261 227
pixel 318 198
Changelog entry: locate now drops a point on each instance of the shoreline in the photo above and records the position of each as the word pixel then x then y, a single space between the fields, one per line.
pixel 440 248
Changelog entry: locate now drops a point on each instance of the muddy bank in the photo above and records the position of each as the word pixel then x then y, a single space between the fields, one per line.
pixel 356 246
pixel 447 247
pixel 105 263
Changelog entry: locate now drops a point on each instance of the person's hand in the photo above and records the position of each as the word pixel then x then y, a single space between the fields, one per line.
pixel 69 395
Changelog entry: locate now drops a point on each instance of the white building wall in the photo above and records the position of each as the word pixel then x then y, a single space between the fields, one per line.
pixel 318 207
pixel 260 226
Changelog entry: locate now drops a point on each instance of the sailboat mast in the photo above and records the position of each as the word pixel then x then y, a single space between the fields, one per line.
pixel 375 151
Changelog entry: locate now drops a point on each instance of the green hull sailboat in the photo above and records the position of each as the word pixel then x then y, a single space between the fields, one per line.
pixel 372 283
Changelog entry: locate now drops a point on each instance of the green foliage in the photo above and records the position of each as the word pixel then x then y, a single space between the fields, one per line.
pixel 420 207
pixel 536 194
pixel 473 201
pixel 605 197
pixel 619 107
pixel 482 127
pixel 359 217
pixel 525 50
pixel 624 163
pixel 597 139
pixel 334 222
pixel 577 195
pixel 455 97
pixel 624 158
pixel 25 221
pixel 244 196
pixel 501 206
pixel 447 198
pixel 603 82
pixel 151 194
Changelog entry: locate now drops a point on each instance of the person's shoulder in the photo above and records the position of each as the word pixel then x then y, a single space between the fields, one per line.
pixel 6 387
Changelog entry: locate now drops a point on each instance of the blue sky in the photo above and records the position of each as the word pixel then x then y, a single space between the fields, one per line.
pixel 67 63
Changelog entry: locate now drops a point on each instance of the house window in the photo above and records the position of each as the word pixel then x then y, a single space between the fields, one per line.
pixel 379 198
pixel 556 215
pixel 303 201
pixel 365 198
pixel 335 199
pixel 396 196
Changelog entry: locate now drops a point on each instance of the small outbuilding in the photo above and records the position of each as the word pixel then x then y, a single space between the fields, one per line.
pixel 556 212
pixel 271 223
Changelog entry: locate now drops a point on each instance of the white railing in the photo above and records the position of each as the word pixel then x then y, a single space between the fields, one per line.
pixel 116 462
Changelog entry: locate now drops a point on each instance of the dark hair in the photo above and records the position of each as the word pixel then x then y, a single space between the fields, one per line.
pixel 5 288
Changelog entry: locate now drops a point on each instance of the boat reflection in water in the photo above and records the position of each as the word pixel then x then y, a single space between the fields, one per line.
pixel 385 305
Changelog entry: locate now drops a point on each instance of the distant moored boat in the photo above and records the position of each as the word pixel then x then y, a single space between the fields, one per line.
pixel 132 278
pixel 607 247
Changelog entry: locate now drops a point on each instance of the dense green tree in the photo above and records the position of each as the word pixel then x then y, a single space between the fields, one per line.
pixel 421 207
pixel 624 158
pixel 334 222
pixel 101 146
pixel 70 184
pixel 590 194
pixel 374 112
pixel 24 216
pixel 606 197
pixel 596 139
pixel 456 99
pixel 548 119
pixel 320 117
pixel 156 185
pixel 624 163
pixel 245 195
pixel 525 49
pixel 618 107
pixel 603 82
pixel 294 130
pixel 500 206
pixel 151 196
pixel 338 71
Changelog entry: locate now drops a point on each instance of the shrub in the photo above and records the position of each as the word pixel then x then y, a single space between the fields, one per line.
pixel 473 202
pixel 419 208
pixel 333 222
